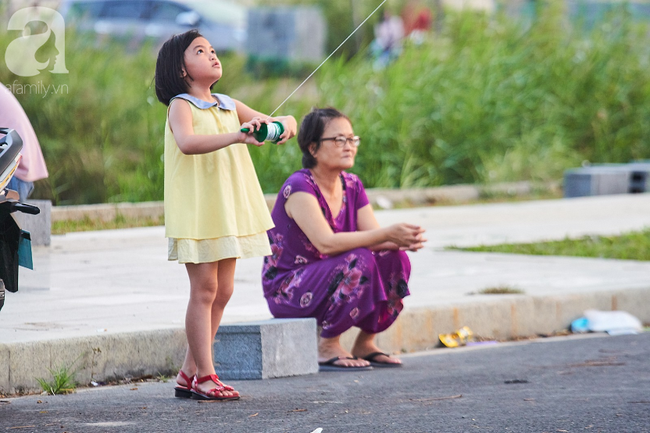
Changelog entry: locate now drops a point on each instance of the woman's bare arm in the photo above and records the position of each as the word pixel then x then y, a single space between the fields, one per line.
pixel 366 220
pixel 304 209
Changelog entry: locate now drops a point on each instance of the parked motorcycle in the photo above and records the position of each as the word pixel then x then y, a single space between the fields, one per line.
pixel 15 244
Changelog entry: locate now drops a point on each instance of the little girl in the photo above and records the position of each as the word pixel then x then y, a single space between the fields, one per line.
pixel 215 211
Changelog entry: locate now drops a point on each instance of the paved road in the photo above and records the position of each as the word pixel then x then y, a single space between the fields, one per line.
pixel 573 384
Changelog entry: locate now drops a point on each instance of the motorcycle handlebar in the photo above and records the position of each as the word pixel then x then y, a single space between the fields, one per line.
pixel 11 206
pixel 26 208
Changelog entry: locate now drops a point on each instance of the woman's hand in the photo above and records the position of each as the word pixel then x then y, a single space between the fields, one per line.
pixel 290 127
pixel 252 125
pixel 406 236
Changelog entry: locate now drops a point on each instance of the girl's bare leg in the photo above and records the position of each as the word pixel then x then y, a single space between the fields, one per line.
pixel 226 281
pixel 204 312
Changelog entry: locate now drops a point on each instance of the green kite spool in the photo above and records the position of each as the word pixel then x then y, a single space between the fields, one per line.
pixel 267 132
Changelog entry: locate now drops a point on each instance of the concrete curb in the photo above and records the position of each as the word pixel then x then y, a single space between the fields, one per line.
pixel 130 355
pixel 98 358
pixel 504 317
pixel 108 211
pixel 377 196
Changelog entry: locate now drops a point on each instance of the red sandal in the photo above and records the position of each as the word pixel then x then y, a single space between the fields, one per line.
pixel 181 391
pixel 211 394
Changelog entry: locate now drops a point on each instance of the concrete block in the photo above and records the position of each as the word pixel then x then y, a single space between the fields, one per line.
pixel 39 226
pixel 607 179
pixel 596 180
pixel 266 349
pixel 639 177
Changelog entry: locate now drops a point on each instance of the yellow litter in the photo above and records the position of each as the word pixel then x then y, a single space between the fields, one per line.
pixel 458 338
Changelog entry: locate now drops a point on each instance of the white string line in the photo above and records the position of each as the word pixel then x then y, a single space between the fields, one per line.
pixel 328 57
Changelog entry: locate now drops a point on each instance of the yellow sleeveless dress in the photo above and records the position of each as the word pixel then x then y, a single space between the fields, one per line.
pixel 214 205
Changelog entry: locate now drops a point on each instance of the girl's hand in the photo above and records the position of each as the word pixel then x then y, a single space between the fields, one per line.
pixel 252 125
pixel 290 128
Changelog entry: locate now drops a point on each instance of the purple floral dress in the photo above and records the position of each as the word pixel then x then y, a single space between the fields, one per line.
pixel 356 288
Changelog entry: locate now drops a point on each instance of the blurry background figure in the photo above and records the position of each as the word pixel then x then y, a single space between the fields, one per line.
pixel 387 45
pixel 417 21
pixel 32 165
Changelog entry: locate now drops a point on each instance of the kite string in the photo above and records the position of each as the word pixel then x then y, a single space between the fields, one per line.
pixel 328 57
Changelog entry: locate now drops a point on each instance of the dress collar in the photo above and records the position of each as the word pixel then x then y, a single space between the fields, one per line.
pixel 222 101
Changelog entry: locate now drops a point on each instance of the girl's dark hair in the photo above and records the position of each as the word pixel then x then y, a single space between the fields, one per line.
pixel 170 65
pixel 311 131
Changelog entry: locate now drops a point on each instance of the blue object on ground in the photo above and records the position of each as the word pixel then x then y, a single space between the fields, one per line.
pixel 580 325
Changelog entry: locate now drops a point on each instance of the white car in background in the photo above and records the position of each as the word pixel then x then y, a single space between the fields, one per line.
pixel 223 23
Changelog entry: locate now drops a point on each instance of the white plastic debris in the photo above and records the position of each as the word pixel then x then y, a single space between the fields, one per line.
pixel 613 322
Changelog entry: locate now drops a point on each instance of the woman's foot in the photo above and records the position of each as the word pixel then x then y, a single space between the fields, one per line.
pixel 366 349
pixel 330 348
pixel 381 359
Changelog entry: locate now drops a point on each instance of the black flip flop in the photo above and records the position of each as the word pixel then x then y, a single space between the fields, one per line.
pixel 371 358
pixel 330 366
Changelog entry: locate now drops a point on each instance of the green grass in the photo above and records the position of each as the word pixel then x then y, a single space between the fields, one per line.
pixel 629 246
pixel 500 290
pixel 63 381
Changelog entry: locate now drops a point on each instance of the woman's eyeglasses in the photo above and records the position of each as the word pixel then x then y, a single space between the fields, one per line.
pixel 340 141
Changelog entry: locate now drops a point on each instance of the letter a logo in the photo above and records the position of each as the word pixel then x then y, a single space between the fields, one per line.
pixel 21 53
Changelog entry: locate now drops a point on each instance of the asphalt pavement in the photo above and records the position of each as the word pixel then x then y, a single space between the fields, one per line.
pixel 591 383
pixel 112 298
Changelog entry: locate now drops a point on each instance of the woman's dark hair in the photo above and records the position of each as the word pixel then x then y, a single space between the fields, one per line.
pixel 311 131
pixel 170 65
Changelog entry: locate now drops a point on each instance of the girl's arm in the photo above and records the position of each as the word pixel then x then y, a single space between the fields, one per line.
pixel 247 114
pixel 303 208
pixel 180 122
pixel 366 220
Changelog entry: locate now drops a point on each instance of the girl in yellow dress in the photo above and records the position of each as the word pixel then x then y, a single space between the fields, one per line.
pixel 215 211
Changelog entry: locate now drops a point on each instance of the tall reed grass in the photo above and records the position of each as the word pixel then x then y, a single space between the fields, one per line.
pixel 492 101
pixel 489 99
